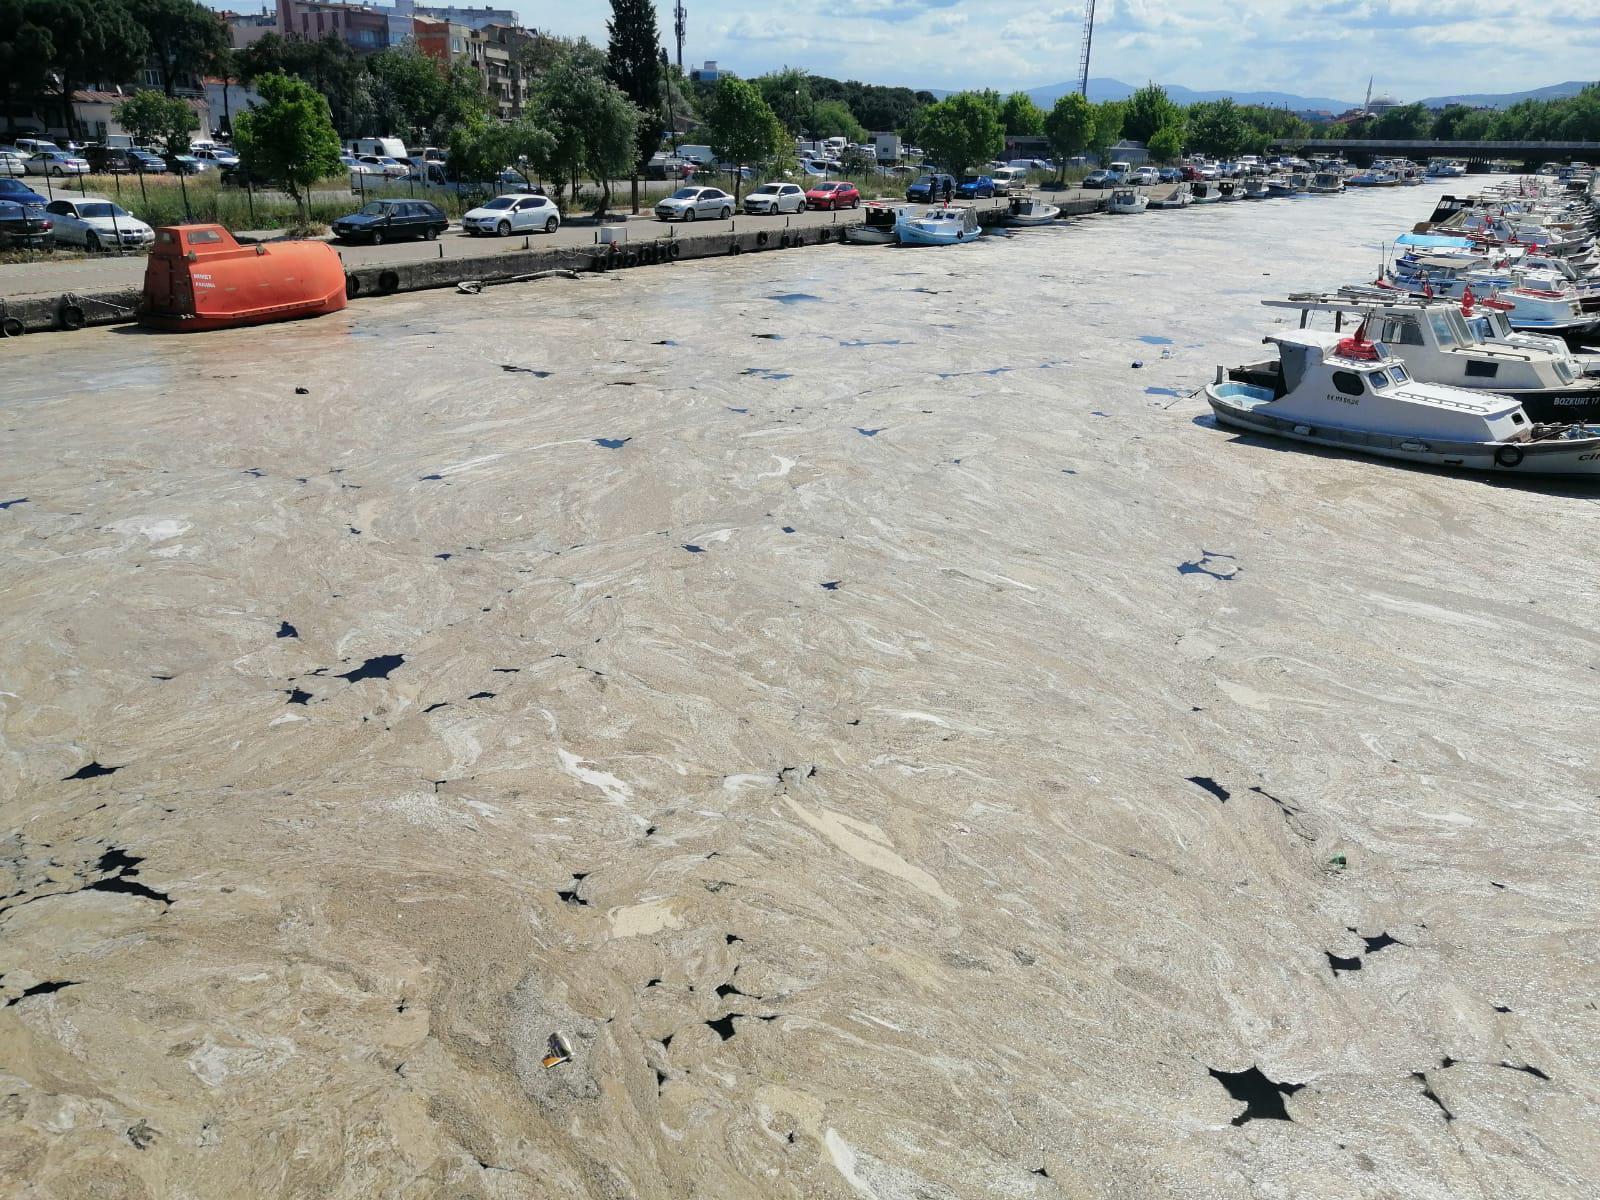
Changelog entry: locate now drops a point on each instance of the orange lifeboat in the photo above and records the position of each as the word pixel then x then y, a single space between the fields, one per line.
pixel 198 277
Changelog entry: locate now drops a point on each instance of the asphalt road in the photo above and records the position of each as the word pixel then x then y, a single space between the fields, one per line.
pixel 46 276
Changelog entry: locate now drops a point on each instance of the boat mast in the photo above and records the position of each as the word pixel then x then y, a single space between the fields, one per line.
pixel 1088 40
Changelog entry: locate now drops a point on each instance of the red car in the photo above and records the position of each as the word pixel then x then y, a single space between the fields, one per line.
pixel 833 195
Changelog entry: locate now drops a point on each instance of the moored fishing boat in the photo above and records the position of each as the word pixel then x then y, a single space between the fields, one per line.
pixel 942 226
pixel 1327 183
pixel 1256 189
pixel 1127 201
pixel 1206 192
pixel 1350 394
pixel 1028 211
pixel 878 228
pixel 1181 196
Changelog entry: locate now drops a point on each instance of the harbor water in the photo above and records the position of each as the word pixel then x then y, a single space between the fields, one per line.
pixel 855 696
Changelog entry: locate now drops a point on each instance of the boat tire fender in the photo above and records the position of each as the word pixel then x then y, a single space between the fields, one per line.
pixel 674 250
pixel 735 248
pixel 10 327
pixel 352 286
pixel 1508 456
pixel 71 316
pixel 761 238
pixel 388 281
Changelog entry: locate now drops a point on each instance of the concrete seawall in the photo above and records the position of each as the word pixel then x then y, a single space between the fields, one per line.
pixel 75 310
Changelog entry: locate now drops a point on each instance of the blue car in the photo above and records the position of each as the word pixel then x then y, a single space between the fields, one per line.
pixel 18 192
pixel 1171 175
pixel 975 187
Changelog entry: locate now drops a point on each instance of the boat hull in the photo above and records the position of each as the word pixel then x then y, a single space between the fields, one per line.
pixel 910 235
pixel 1575 458
pixel 861 236
pixel 1558 406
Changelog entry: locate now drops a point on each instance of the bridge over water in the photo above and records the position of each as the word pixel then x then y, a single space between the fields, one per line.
pixel 1529 152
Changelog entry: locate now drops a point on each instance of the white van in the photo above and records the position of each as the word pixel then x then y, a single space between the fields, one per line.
pixel 1120 171
pixel 36 145
pixel 1008 180
pixel 383 147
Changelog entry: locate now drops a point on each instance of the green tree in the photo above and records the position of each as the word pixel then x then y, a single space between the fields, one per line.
pixel 833 118
pixel 93 39
pixel 185 36
pixel 329 65
pixel 1446 121
pixel 1108 116
pixel 26 52
pixel 788 93
pixel 592 127
pixel 961 131
pixel 1166 143
pixel 152 117
pixel 743 128
pixel 1216 127
pixel 633 64
pixel 289 137
pixel 1070 128
pixel 1020 116
pixel 1407 121
pixel 1150 109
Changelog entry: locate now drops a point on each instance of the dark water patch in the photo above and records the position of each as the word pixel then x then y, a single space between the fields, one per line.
pixel 1342 964
pixel 1427 1090
pixel 654 983
pixel 1287 809
pixel 162 678
pixel 1501 1008
pixel 858 343
pixel 428 478
pixel 570 895
pixel 13 503
pixel 729 939
pixel 515 370
pixel 1381 942
pixel 664 342
pixel 1447 1062
pixel 256 471
pixel 42 989
pixel 444 557
pixel 296 696
pixel 1098 413
pixel 1212 563
pixel 434 705
pixel 1151 339
pixel 505 670
pixel 725 990
pixel 693 549
pixel 870 432
pixel 353 530
pixel 1526 1069
pixel 128 887
pixel 1262 1097
pixel 767 373
pixel 788 528
pixel 730 408
pixel 622 383
pixel 989 371
pixel 481 696
pixel 769 337
pixel 1160 391
pixel 91 771
pixel 723 1026
pixel 832 585
pixel 374 668
pixel 1068 471
pixel 286 630
pixel 796 298
pixel 1207 784
pixel 612 443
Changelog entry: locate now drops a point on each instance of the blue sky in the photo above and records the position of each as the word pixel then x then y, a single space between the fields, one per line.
pixel 1416 48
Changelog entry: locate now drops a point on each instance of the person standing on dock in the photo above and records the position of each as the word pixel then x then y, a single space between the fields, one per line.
pixel 949 189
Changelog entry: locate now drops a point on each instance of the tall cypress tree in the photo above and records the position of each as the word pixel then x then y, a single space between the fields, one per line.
pixel 633 63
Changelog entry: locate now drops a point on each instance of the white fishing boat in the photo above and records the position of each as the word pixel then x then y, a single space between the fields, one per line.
pixel 942 226
pixel 1351 394
pixel 1444 341
pixel 1230 189
pixel 1206 192
pixel 878 228
pixel 1127 201
pixel 1256 189
pixel 1029 210
pixel 1534 309
pixel 1327 183
pixel 1181 196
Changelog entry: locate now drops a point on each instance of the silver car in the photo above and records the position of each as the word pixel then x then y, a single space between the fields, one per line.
pixel 691 203
pixel 56 162
pixel 12 163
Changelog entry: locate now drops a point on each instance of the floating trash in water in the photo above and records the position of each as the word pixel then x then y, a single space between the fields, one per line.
pixel 10 503
pixel 560 1051
pixel 612 443
pixel 512 369
pixel 286 630
pixel 1151 339
pixel 858 343
pixel 770 337
pixel 664 342
pixel 693 549
pixel 732 409
pixel 374 668
pixel 832 585
pixel 788 528
pixel 1212 563
pixel 1136 364
pixel 300 391
pixel 766 373
pixel 870 432
pixel 425 478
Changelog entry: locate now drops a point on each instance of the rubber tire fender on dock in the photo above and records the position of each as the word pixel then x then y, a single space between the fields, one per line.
pixel 761 238
pixel 352 286
pixel 674 250
pixel 70 316
pixel 388 281
pixel 735 248
pixel 1508 456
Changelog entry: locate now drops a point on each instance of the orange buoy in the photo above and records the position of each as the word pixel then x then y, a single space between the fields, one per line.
pixel 198 277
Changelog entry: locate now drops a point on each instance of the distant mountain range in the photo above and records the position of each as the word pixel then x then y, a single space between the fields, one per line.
pixel 1115 89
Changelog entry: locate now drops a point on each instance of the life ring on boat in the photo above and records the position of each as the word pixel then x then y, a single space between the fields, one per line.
pixel 352 286
pixel 388 281
pixel 1508 456
pixel 11 327
pixel 761 238
pixel 71 316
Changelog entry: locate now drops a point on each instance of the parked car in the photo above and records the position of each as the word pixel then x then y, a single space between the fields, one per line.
pixel 690 203
pixel 1099 179
pixel 113 160
pixel 32 146
pixel 519 212
pixel 1172 174
pixel 975 187
pixel 25 226
pixel 930 187
pixel 775 198
pixel 15 189
pixel 390 168
pixel 94 222
pixel 1144 177
pixel 833 194
pixel 187 164
pixel 220 155
pixel 240 175
pixel 56 162
pixel 356 167
pixel 1009 179
pixel 13 162
pixel 391 221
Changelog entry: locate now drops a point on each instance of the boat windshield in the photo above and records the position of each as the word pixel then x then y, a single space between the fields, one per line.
pixel 1442 329
pixel 1398 374
pixel 1458 326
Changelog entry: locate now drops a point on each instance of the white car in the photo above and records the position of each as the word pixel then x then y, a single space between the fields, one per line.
pixel 775 198
pixel 691 203
pixel 96 223
pixel 517 213
pixel 55 162
pixel 1145 177
pixel 220 155
pixel 12 163
pixel 390 167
